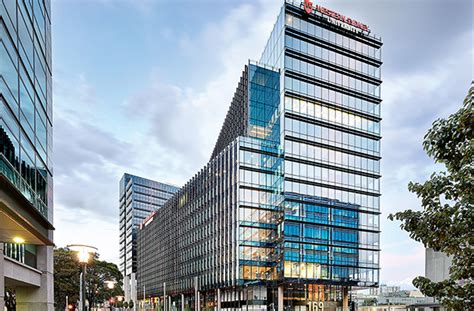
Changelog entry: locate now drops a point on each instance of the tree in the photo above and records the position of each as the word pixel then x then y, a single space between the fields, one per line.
pixel 446 221
pixel 67 272
pixel 131 304
pixel 97 274
pixel 66 277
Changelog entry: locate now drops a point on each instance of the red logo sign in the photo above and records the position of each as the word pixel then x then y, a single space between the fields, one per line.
pixel 308 6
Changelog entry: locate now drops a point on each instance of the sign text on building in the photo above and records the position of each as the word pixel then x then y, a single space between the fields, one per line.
pixel 336 18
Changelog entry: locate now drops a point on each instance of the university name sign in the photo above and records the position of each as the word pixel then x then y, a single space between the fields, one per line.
pixel 336 18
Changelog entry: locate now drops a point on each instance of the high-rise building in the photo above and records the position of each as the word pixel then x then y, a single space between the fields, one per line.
pixel 437 265
pixel 286 212
pixel 26 182
pixel 139 197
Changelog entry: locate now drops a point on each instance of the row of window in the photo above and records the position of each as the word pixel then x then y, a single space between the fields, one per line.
pixel 317 111
pixel 257 253
pixel 329 156
pixel 317 92
pixel 325 215
pixel 366 202
pixel 367 257
pixel 328 75
pixel 305 270
pixel 249 235
pixel 21 97
pixel 332 37
pixel 257 273
pixel 257 197
pixel 348 256
pixel 267 181
pixel 258 160
pixel 330 176
pixel 316 51
pixel 19 152
pixel 329 136
pixel 273 49
pixel 27 108
pixel 258 215
pixel 32 47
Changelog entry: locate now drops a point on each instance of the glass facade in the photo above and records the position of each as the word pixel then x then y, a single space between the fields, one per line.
pixel 139 197
pixel 288 206
pixel 331 146
pixel 26 108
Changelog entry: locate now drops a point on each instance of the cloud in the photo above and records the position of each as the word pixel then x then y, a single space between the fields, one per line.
pixel 181 127
pixel 165 129
pixel 186 121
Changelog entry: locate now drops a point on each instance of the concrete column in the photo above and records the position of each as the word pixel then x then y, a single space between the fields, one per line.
pixel 42 298
pixel 2 279
pixel 345 299
pixel 126 287
pixel 218 299
pixel 169 304
pixel 165 303
pixel 280 298
pixel 182 302
pixel 133 287
pixel 197 299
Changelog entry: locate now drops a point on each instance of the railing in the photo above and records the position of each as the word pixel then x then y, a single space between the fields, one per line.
pixel 20 183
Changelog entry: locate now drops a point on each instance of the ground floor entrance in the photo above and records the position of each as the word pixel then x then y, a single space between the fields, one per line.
pixel 288 297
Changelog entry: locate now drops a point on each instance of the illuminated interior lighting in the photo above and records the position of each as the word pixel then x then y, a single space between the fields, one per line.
pixel 18 240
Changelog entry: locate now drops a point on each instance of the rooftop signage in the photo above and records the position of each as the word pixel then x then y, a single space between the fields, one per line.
pixel 336 18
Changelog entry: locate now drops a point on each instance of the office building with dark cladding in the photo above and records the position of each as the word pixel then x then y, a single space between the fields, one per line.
pixel 139 197
pixel 26 182
pixel 285 215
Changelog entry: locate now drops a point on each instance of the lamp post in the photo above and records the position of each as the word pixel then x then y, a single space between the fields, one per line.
pixel 84 253
pixel 110 285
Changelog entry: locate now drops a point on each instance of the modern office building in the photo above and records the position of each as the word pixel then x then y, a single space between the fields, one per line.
pixel 285 215
pixel 437 265
pixel 139 197
pixel 26 182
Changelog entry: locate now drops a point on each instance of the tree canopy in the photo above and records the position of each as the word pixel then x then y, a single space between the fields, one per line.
pixel 446 221
pixel 67 272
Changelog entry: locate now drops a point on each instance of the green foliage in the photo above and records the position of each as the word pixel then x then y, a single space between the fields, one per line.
pixel 130 304
pixel 67 272
pixel 98 272
pixel 66 277
pixel 125 304
pixel 446 222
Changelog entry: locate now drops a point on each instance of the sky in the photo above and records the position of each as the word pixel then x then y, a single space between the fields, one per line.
pixel 143 86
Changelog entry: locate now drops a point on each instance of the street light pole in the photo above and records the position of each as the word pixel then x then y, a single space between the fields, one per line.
pixel 84 268
pixel 83 253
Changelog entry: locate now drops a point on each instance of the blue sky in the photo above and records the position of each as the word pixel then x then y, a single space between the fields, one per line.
pixel 142 86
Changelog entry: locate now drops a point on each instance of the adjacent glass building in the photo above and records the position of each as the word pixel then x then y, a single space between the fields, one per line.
pixel 26 183
pixel 286 213
pixel 139 197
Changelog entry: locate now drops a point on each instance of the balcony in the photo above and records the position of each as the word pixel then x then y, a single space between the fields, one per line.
pixel 21 185
pixel 22 213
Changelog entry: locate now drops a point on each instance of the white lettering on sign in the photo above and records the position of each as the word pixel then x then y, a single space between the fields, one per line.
pixel 316 306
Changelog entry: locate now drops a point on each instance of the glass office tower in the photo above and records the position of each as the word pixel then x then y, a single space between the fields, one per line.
pixel 286 212
pixel 26 184
pixel 139 197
